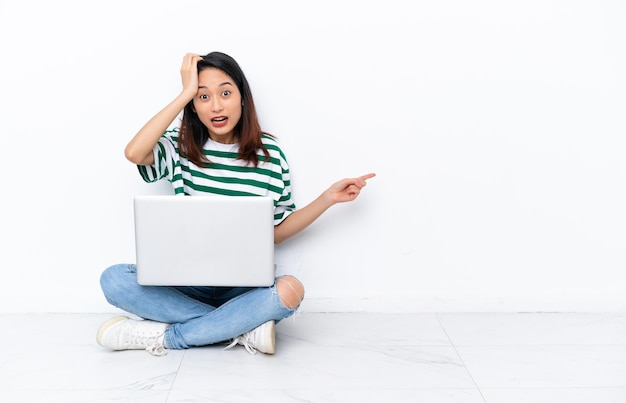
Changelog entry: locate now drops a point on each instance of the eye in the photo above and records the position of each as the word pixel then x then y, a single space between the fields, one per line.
pixel 203 96
pixel 225 93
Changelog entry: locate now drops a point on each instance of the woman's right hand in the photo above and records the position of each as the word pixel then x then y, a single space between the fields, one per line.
pixel 189 73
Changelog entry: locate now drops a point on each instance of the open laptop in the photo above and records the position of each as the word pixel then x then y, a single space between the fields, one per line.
pixel 204 240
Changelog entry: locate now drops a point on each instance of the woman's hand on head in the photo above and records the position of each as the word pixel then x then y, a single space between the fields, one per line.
pixel 347 189
pixel 189 73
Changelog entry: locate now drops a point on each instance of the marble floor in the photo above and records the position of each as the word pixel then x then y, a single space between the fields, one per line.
pixel 331 357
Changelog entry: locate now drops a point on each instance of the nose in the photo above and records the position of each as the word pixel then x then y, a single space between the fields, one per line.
pixel 216 104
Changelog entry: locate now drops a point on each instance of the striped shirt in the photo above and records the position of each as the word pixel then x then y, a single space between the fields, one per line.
pixel 225 175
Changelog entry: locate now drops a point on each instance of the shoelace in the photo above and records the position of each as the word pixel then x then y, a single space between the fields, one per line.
pixel 149 339
pixel 157 350
pixel 244 342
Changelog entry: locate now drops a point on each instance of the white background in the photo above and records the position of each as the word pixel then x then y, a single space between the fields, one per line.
pixel 496 129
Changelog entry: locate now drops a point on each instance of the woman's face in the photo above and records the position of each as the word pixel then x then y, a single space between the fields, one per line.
pixel 218 104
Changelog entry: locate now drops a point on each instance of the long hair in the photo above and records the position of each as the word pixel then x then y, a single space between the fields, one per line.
pixel 194 134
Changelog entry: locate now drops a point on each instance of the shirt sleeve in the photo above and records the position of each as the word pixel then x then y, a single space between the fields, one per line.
pixel 285 205
pixel 166 161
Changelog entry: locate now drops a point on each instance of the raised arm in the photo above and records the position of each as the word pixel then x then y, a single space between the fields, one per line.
pixel 139 149
pixel 342 191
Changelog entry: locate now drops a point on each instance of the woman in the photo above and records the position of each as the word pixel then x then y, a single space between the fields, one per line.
pixel 219 148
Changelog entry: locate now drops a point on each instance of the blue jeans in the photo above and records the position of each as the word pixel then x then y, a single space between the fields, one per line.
pixel 198 315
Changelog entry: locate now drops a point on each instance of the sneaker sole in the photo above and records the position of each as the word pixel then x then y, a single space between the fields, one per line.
pixel 271 345
pixel 106 325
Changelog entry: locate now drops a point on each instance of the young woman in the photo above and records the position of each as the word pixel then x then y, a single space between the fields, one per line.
pixel 218 148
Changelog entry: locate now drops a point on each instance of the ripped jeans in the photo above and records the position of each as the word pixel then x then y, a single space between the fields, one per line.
pixel 198 315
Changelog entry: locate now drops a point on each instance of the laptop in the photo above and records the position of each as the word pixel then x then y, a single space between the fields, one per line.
pixel 204 240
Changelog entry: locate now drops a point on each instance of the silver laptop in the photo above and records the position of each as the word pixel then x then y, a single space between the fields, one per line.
pixel 204 240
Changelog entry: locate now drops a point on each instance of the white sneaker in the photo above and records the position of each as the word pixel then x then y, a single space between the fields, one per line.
pixel 122 333
pixel 262 338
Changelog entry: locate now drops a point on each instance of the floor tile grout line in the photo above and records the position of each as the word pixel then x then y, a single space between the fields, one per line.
pixel 460 358
pixel 171 388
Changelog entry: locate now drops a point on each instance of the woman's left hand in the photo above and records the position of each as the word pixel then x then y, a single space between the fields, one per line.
pixel 347 189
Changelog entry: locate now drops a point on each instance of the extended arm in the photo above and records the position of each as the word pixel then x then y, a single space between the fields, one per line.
pixel 342 191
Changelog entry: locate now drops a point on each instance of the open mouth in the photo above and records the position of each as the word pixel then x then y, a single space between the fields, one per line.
pixel 219 121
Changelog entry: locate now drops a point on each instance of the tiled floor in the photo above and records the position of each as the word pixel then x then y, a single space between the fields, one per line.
pixel 338 357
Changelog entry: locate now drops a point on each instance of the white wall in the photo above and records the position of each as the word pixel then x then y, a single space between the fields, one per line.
pixel 496 129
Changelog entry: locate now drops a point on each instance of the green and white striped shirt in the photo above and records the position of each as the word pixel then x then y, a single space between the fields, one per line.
pixel 225 175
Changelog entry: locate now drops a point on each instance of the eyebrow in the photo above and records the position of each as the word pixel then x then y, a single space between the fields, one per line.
pixel 221 85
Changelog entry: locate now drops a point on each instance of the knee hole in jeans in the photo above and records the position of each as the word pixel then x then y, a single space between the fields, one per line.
pixel 290 290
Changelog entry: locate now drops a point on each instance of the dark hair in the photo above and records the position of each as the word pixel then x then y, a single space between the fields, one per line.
pixel 194 134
